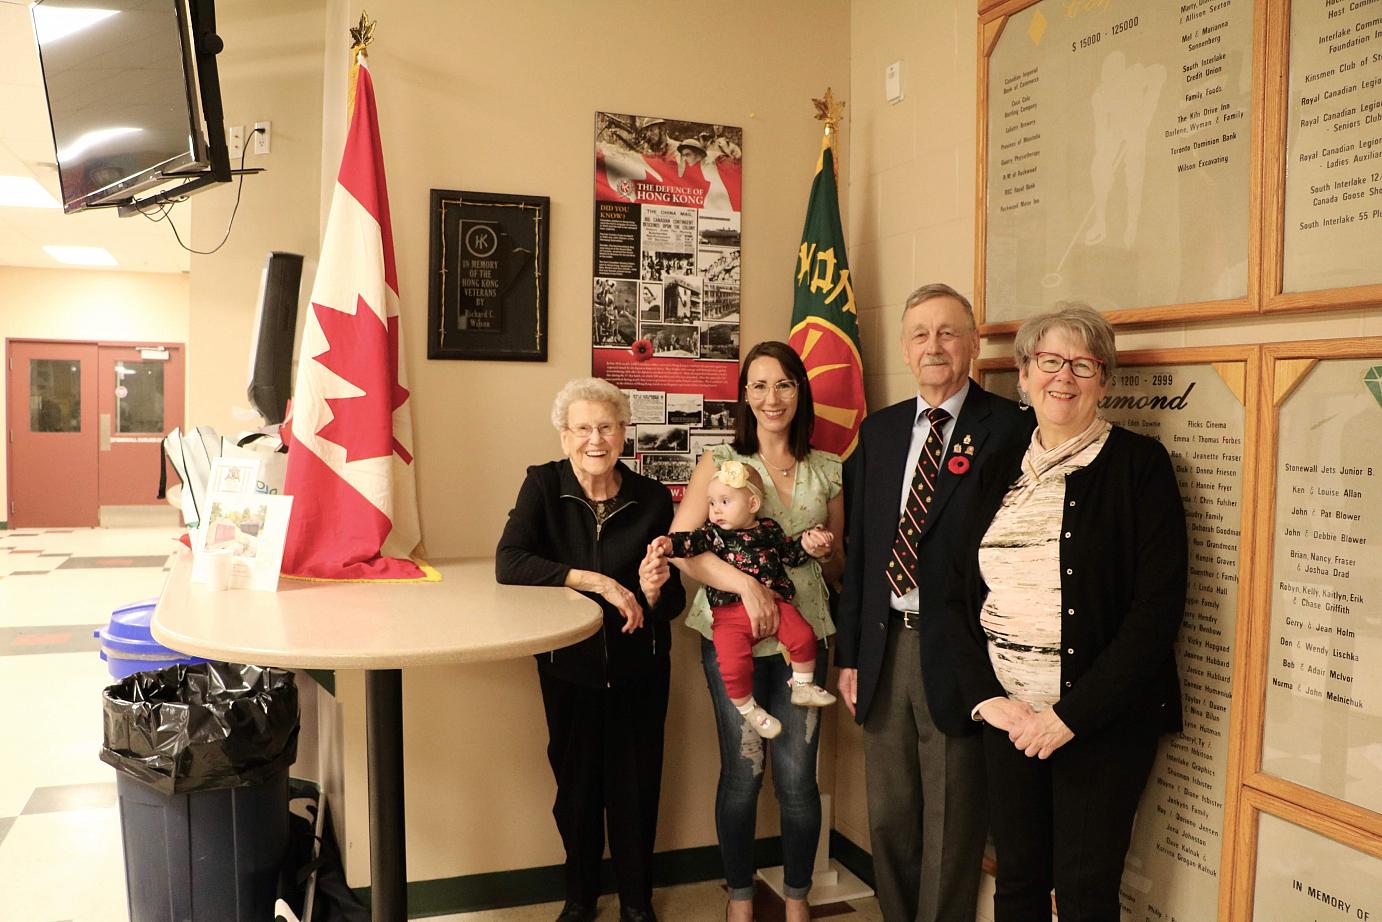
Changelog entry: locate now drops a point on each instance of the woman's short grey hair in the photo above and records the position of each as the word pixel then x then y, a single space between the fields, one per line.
pixel 1081 322
pixel 595 390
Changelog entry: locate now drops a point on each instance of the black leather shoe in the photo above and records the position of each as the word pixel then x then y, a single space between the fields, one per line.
pixel 576 912
pixel 636 915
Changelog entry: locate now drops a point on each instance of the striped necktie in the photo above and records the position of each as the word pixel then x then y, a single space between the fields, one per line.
pixel 902 567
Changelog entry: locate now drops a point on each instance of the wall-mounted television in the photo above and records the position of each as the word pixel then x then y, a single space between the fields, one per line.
pixel 133 98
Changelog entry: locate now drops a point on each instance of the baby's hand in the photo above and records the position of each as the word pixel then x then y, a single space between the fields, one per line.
pixel 661 546
pixel 818 542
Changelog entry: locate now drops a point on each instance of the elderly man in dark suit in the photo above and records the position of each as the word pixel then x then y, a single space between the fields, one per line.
pixel 909 488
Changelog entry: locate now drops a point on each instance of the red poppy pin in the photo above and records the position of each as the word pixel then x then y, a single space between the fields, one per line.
pixel 958 464
pixel 642 349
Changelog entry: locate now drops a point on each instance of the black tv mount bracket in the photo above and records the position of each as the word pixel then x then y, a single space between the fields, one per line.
pixel 208 45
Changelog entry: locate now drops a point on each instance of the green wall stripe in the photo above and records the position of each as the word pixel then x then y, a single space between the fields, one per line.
pixel 502 889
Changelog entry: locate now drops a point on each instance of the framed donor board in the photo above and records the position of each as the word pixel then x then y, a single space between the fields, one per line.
pixel 487 282
pixel 1324 142
pixel 1196 403
pixel 1117 163
pixel 1311 808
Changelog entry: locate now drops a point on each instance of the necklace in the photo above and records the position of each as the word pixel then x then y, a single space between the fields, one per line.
pixel 784 471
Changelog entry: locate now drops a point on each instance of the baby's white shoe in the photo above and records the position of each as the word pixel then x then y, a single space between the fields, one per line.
pixel 763 723
pixel 811 696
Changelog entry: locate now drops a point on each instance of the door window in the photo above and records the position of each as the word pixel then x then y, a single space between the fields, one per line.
pixel 139 396
pixel 55 395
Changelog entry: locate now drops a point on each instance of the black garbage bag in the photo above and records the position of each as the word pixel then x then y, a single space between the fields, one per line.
pixel 202 727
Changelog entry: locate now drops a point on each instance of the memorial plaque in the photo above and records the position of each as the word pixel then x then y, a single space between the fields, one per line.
pixel 1114 131
pixel 1333 199
pixel 1323 715
pixel 1172 868
pixel 1301 875
pixel 487 294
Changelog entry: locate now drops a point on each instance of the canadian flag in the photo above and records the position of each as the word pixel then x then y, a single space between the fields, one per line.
pixel 350 462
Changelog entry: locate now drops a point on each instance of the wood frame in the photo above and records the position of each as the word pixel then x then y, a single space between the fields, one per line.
pixel 1284 365
pixel 1274 187
pixel 1246 384
pixel 993 17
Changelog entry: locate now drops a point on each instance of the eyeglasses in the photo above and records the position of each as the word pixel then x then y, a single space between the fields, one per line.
pixel 1081 366
pixel 758 390
pixel 586 431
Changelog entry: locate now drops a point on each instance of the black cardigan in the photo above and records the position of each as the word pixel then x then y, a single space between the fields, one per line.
pixel 1123 584
pixel 551 530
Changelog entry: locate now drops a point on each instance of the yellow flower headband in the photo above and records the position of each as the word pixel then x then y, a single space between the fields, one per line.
pixel 736 474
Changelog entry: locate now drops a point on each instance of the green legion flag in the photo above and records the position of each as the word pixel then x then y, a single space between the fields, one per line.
pixel 825 318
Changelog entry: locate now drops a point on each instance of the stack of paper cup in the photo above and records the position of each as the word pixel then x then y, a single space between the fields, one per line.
pixel 220 569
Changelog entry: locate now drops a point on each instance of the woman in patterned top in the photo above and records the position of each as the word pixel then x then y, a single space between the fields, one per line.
pixel 1069 597
pixel 760 548
pixel 772 434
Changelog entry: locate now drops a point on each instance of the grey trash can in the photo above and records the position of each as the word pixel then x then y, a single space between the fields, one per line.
pixel 202 754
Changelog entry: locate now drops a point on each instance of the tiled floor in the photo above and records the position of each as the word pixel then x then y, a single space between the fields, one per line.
pixel 60 852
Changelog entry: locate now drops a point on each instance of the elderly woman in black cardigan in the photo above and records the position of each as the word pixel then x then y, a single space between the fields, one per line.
pixel 1070 595
pixel 585 522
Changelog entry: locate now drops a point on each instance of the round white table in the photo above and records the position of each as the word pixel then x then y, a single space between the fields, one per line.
pixel 379 628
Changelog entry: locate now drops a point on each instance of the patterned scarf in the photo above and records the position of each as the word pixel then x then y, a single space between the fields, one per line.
pixel 1038 460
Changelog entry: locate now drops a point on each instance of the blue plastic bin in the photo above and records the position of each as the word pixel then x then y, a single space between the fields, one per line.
pixel 128 647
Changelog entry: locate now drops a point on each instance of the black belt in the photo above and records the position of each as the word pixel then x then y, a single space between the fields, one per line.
pixel 910 618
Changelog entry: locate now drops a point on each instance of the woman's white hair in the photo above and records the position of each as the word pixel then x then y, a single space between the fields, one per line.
pixel 595 390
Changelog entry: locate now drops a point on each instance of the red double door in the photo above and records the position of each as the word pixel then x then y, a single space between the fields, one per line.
pixel 84 426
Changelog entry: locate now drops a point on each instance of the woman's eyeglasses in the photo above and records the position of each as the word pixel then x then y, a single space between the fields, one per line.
pixel 1081 366
pixel 759 390
pixel 605 429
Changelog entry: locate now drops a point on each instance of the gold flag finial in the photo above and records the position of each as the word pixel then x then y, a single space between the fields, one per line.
pixel 829 110
pixel 362 34
pixel 360 38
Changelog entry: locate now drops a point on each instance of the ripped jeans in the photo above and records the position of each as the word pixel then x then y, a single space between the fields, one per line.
pixel 741 773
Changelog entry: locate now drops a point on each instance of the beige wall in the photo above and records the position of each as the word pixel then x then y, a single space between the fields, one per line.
pixel 91 305
pixel 501 98
pixel 271 71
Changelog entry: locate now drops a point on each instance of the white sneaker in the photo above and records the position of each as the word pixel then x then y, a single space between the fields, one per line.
pixel 764 724
pixel 811 696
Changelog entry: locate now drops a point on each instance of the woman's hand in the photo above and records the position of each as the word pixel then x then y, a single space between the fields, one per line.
pixel 1005 713
pixel 654 571
pixel 625 601
pixel 818 542
pixel 761 605
pixel 1041 734
pixel 622 599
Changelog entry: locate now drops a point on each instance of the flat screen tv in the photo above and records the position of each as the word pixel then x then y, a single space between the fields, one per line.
pixel 133 97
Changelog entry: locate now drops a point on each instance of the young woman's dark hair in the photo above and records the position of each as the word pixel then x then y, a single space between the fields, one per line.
pixel 803 420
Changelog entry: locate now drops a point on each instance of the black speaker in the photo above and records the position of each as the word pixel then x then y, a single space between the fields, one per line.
pixel 271 360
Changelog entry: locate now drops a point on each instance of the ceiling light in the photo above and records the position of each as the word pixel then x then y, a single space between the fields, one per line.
pixel 81 256
pixel 24 192
pixel 54 23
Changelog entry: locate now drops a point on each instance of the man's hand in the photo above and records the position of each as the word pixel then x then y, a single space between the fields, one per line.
pixel 848 684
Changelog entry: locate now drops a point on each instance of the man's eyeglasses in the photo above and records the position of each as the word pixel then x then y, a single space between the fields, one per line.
pixel 759 390
pixel 1081 366
pixel 605 429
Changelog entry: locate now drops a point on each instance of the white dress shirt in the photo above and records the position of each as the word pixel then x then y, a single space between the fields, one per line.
pixel 921 428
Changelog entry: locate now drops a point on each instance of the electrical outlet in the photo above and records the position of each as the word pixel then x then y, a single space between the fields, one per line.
pixel 235 141
pixel 261 137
